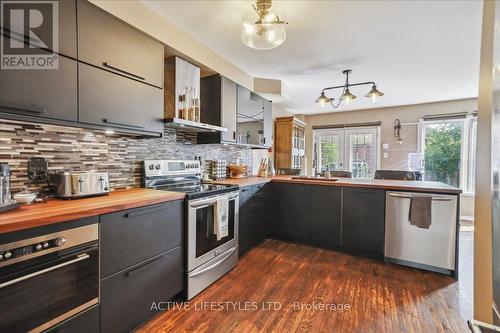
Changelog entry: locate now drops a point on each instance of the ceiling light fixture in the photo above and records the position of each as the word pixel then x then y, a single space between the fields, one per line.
pixel 267 32
pixel 347 97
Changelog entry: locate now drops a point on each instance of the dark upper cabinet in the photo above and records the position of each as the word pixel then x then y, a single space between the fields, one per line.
pixel 363 219
pixel 218 97
pixel 254 119
pixel 115 101
pixel 66 26
pixel 40 93
pixel 107 42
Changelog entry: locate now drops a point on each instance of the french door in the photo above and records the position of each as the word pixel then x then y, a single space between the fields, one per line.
pixel 347 149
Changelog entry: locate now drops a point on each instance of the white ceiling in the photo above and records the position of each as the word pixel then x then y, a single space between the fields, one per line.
pixel 416 51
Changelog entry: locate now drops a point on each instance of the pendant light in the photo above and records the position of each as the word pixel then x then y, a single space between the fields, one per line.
pixel 347 97
pixel 267 32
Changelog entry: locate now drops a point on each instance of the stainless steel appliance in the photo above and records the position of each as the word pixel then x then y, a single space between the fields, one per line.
pixel 208 258
pixel 48 277
pixel 6 202
pixel 431 249
pixel 78 184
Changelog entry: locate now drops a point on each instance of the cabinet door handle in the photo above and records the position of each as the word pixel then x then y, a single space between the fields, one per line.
pixel 144 264
pixel 22 109
pixel 402 196
pixel 234 135
pixel 143 211
pixel 106 64
pixel 107 121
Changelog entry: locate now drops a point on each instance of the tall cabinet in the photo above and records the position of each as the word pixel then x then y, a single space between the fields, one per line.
pixel 289 142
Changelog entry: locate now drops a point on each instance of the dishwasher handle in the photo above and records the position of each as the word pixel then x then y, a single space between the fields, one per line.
pixel 409 196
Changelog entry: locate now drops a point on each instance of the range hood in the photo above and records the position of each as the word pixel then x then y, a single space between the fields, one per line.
pixel 192 126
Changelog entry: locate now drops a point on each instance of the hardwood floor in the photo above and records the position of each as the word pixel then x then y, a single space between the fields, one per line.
pixel 382 297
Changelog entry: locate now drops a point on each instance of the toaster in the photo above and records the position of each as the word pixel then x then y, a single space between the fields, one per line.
pixel 79 184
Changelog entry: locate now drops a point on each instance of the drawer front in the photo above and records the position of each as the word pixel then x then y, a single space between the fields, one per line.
pixel 105 41
pixel 126 298
pixel 50 93
pixel 132 236
pixel 88 321
pixel 66 28
pixel 115 101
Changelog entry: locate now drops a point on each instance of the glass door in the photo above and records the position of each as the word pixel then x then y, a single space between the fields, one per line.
pixel 347 149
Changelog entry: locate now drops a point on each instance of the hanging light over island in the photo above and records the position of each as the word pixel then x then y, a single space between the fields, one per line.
pixel 347 97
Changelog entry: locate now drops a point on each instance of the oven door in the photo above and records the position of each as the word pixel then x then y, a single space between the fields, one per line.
pixel 202 241
pixel 38 293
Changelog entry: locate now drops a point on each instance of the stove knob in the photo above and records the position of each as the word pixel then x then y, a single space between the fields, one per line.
pixel 158 167
pixel 7 255
pixel 45 245
pixel 60 241
pixel 151 167
pixel 38 247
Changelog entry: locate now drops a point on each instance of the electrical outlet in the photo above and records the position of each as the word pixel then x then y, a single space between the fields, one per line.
pixel 37 169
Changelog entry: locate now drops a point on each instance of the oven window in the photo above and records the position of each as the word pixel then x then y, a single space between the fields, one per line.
pixel 35 301
pixel 206 240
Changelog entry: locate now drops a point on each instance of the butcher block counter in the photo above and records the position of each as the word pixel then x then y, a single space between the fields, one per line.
pixel 399 185
pixel 59 210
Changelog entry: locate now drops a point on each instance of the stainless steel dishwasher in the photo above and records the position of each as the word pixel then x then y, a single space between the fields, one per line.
pixel 431 249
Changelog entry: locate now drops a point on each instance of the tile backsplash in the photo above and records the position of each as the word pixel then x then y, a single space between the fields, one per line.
pixel 68 148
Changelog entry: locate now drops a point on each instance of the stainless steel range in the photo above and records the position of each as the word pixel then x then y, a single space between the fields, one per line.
pixel 212 219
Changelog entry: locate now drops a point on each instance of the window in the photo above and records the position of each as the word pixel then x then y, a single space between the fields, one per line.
pixel 449 147
pixel 349 149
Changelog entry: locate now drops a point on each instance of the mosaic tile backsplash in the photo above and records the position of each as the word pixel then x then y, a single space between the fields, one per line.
pixel 68 148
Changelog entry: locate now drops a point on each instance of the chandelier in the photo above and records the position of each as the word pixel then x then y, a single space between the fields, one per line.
pixel 267 32
pixel 347 97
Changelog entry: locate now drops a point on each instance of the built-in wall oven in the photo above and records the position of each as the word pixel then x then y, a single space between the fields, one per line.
pixel 47 278
pixel 208 257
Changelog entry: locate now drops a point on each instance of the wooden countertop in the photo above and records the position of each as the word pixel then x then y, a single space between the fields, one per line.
pixel 401 185
pixel 58 210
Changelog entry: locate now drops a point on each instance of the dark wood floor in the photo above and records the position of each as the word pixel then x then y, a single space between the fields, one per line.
pixel 382 297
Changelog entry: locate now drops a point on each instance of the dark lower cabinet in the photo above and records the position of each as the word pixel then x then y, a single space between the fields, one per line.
pixel 132 236
pixel 363 220
pixel 308 213
pixel 89 321
pixel 255 216
pixel 127 298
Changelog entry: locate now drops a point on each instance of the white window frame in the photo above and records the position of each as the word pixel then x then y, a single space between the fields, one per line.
pixel 344 153
pixel 465 158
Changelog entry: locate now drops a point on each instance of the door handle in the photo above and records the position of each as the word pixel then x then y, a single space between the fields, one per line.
pixel 108 65
pixel 214 265
pixel 403 196
pixel 143 211
pixel 144 265
pixel 22 109
pixel 80 257
pixel 107 121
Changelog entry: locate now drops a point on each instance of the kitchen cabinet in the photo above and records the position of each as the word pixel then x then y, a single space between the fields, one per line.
pixel 88 321
pixel 141 262
pixel 67 41
pixel 127 297
pixel 289 143
pixel 363 220
pixel 219 108
pixel 108 43
pixel 132 236
pixel 41 93
pixel 110 100
pixel 309 213
pixel 254 216
pixel 254 121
